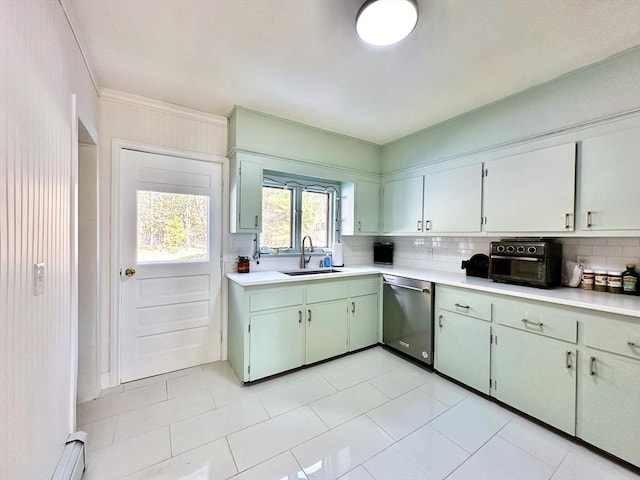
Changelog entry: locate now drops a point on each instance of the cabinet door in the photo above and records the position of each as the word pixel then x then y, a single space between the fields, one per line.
pixel 367 208
pixel 609 403
pixel 536 375
pixel 276 342
pixel 453 199
pixel 402 205
pixel 326 330
pixel 531 192
pixel 247 187
pixel 363 321
pixel 462 349
pixel 609 179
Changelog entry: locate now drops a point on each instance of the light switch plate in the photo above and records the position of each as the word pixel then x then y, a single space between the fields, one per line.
pixel 38 279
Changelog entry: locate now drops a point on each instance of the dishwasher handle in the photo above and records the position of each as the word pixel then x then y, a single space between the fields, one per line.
pixel 423 290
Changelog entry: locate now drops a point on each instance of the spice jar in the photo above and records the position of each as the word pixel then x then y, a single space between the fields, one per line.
pixel 600 281
pixel 587 280
pixel 614 282
pixel 243 264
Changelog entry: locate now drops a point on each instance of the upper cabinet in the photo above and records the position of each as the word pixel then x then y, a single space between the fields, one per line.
pixel 531 192
pixel 402 210
pixel 609 182
pixel 360 208
pixel 452 200
pixel 245 201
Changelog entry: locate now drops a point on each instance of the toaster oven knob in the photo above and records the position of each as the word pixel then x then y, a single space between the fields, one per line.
pixel 531 249
pixel 500 248
pixel 520 249
pixel 510 249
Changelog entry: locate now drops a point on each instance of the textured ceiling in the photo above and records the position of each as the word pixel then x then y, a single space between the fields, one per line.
pixel 301 59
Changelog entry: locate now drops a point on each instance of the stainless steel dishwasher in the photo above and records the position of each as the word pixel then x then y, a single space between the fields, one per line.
pixel 407 319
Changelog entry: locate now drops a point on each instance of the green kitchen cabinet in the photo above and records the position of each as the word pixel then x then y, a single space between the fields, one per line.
pixel 245 190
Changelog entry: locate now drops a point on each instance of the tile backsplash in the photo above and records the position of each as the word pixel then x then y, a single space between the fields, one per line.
pixel 446 253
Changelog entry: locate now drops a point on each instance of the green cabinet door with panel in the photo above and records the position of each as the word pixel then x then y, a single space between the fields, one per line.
pixel 245 191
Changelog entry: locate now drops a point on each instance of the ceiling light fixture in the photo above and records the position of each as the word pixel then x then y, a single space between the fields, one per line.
pixel 385 22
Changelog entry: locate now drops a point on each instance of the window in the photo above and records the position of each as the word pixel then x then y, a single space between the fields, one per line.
pixel 293 208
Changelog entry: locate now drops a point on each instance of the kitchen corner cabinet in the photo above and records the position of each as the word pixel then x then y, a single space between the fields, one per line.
pixel 402 205
pixel 360 208
pixel 608 182
pixel 531 192
pixel 462 336
pixel 453 200
pixel 245 194
pixel 279 327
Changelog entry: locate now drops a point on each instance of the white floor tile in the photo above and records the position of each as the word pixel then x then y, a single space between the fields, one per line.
pixel 212 461
pixel 405 414
pixel 393 464
pixel 536 440
pixel 111 405
pixel 359 473
pixel 400 380
pixel 428 451
pixel 212 425
pixel 501 460
pixel 444 390
pixel 99 433
pixel 581 464
pixel 230 392
pixel 342 449
pixel 169 411
pixel 471 423
pixel 348 404
pixel 129 456
pixel 258 443
pixel 282 467
pixel 143 382
pixel 295 395
pixel 361 367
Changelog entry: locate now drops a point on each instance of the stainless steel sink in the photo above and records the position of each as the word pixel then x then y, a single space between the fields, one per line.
pixel 296 273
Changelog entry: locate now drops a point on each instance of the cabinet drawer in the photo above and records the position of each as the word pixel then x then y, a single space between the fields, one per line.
pixel 275 298
pixel 613 333
pixel 368 286
pixel 537 318
pixel 326 292
pixel 464 302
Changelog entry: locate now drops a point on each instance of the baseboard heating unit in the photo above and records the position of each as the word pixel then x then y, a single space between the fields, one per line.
pixel 72 461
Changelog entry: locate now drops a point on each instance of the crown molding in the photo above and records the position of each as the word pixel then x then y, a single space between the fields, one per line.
pixel 163 107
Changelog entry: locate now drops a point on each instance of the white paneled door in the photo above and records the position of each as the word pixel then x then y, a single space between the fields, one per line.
pixel 170 250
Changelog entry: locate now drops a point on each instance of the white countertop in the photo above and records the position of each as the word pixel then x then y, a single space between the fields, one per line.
pixel 573 297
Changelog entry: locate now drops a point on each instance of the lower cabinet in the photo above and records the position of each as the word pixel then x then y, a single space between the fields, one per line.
pixel 462 349
pixel 536 375
pixel 277 342
pixel 327 330
pixel 609 403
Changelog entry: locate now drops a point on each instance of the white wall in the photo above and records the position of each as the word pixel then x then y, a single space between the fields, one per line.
pixel 41 67
pixel 144 121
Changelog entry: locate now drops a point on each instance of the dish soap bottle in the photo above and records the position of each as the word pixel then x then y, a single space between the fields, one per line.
pixel 630 280
pixel 327 258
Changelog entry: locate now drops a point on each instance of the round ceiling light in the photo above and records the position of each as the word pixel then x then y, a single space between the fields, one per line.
pixel 385 22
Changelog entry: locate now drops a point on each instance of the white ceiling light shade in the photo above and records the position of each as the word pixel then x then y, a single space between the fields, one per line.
pixel 385 22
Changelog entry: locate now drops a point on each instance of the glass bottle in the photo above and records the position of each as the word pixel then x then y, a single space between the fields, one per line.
pixel 630 280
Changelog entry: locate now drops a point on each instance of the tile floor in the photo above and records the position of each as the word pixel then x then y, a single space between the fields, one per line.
pixel 371 415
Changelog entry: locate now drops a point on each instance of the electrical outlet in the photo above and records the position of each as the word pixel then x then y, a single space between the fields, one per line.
pixel 581 261
pixel 428 253
pixel 38 279
pixel 355 250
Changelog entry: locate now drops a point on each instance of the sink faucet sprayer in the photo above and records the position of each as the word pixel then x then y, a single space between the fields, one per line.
pixel 303 260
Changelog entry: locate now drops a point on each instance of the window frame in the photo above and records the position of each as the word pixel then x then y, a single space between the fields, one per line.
pixel 298 184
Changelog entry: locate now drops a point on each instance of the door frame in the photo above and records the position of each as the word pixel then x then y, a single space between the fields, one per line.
pixel 117 145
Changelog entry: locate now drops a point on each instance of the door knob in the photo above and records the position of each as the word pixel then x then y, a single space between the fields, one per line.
pixel 130 272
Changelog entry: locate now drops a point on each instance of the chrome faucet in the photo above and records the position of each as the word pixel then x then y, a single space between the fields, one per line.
pixel 303 260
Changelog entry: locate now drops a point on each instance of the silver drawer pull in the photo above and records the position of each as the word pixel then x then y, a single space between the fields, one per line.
pixel 592 366
pixel 633 344
pixel 458 305
pixel 529 322
pixel 568 359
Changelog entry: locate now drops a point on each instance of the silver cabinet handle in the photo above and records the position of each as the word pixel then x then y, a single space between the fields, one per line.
pixel 309 319
pixel 566 220
pixel 588 218
pixel 459 305
pixel 256 223
pixel 592 366
pixel 359 225
pixel 299 316
pixel 440 321
pixel 427 224
pixel 419 225
pixel 529 322
pixel 353 307
pixel 568 359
